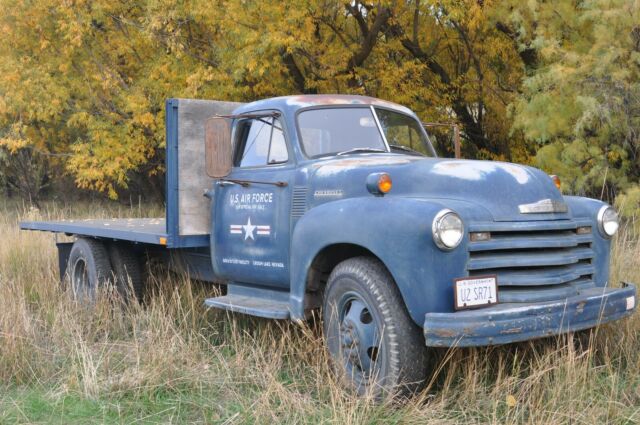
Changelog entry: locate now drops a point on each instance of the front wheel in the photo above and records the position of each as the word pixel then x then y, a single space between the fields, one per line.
pixel 374 345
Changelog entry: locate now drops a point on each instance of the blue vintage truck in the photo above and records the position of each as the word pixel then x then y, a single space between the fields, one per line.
pixel 340 203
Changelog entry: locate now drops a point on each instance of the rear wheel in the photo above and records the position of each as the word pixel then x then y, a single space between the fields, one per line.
pixel 374 345
pixel 89 268
pixel 127 271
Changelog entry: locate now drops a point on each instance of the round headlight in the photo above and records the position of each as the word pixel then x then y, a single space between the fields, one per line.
pixel 608 222
pixel 447 229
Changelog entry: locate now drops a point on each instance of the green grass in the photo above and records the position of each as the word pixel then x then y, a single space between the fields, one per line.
pixel 39 405
pixel 172 361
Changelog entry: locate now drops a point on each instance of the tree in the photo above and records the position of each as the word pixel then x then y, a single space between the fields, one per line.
pixel 582 103
pixel 85 81
pixel 75 86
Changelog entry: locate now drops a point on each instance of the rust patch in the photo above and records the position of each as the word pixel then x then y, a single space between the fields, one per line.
pixel 452 165
pixel 511 331
pixel 580 307
pixel 328 99
pixel 445 333
pixel 342 99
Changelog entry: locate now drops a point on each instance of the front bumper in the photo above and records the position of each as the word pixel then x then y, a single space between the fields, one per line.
pixel 506 323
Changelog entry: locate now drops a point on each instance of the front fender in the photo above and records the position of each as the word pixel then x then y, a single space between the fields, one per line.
pixel 398 231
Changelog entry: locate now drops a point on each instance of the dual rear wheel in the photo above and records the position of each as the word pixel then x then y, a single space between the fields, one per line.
pixel 93 264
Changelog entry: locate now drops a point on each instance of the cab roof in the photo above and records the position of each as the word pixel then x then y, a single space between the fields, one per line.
pixel 291 104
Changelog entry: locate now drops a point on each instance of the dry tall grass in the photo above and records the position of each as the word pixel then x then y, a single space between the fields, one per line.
pixel 173 361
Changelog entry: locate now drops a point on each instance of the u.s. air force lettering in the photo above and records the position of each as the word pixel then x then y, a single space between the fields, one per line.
pixel 251 201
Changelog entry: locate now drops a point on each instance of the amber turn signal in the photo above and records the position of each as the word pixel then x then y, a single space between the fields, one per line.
pixel 379 183
pixel 384 183
pixel 556 180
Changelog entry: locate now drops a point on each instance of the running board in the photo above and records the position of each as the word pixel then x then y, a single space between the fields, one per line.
pixel 268 303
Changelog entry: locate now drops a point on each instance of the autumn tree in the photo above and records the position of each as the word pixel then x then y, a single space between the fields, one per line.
pixel 78 87
pixel 83 83
pixel 446 60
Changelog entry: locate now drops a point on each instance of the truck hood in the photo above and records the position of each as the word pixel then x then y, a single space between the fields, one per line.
pixel 497 187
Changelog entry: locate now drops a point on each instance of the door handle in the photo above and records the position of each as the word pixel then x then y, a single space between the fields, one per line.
pixel 225 183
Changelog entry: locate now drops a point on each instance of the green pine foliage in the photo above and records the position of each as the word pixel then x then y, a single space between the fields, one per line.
pixel 582 102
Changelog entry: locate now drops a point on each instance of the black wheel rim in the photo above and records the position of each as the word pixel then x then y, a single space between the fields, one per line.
pixel 359 339
pixel 80 278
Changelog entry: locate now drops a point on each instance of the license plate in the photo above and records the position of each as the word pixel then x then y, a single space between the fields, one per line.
pixel 476 291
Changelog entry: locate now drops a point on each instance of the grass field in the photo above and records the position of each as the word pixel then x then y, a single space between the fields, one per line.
pixel 174 362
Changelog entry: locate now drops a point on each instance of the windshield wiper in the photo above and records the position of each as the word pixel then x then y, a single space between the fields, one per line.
pixel 405 149
pixel 355 150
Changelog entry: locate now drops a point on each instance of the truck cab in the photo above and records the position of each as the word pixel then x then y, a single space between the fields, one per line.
pixel 340 204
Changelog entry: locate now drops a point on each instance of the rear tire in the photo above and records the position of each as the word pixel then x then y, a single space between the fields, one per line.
pixel 374 345
pixel 127 272
pixel 89 268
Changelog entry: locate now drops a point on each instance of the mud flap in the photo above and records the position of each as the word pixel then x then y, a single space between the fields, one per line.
pixel 64 249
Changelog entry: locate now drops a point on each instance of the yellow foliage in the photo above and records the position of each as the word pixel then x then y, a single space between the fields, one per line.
pixel 89 78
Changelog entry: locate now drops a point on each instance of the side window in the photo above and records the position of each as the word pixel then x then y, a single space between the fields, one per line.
pixel 278 151
pixel 262 143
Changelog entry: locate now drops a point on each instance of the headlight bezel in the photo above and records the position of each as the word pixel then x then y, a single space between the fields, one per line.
pixel 436 229
pixel 602 224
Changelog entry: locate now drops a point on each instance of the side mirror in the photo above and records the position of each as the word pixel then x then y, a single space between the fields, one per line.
pixel 218 152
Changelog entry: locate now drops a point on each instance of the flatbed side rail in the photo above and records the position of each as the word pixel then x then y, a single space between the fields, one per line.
pixel 141 230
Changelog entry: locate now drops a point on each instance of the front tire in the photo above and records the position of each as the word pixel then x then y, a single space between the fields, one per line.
pixel 374 345
pixel 89 268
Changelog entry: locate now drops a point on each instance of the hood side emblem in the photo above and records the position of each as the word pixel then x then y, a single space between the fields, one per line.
pixel 544 206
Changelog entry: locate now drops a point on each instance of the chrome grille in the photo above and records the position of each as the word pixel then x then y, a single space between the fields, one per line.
pixel 534 261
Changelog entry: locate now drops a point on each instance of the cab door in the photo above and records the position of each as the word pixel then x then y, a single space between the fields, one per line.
pixel 251 225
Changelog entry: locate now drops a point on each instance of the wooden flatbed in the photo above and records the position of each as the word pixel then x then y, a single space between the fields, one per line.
pixel 141 230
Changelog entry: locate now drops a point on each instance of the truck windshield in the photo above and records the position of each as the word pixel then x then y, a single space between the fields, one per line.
pixel 337 131
pixel 403 133
pixel 333 130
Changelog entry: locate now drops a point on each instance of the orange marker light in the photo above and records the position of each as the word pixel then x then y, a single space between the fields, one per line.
pixel 384 183
pixel 163 240
pixel 556 180
pixel 379 184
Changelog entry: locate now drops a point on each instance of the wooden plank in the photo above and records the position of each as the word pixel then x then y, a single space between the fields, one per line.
pixel 193 207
